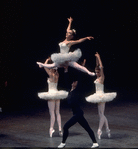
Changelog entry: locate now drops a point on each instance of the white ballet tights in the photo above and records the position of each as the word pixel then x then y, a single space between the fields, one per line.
pixel 54 106
pixel 50 66
pixel 103 119
pixel 71 64
pixel 81 68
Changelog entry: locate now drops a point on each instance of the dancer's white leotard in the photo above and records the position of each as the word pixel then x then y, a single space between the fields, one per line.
pixel 65 55
pixel 53 93
pixel 100 96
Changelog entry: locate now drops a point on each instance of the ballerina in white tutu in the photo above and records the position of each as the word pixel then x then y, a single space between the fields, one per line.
pixel 53 96
pixel 65 57
pixel 100 97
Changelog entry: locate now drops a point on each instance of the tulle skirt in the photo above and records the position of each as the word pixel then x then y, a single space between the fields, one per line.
pixel 60 58
pixel 53 95
pixel 101 97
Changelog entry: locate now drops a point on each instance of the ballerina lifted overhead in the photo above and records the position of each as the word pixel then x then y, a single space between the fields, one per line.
pixel 66 58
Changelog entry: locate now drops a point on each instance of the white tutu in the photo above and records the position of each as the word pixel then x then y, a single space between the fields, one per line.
pixel 65 55
pixel 53 93
pixel 60 58
pixel 100 96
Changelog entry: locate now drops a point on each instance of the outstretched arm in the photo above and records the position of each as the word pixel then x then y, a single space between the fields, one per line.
pixel 73 42
pixel 69 25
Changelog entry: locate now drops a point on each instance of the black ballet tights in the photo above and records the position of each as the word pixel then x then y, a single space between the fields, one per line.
pixel 82 121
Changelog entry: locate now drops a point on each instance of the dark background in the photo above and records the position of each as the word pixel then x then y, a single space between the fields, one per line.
pixel 32 29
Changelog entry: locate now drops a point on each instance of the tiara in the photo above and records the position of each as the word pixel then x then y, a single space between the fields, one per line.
pixel 74 31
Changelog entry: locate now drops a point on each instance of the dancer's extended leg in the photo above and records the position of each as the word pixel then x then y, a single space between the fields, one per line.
pixel 101 108
pixel 53 65
pixel 82 121
pixel 103 120
pixel 81 68
pixel 51 106
pixel 58 114
pixel 66 127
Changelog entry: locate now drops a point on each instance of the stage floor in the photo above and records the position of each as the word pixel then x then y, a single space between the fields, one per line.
pixel 31 127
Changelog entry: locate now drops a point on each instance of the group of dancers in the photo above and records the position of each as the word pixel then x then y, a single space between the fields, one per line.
pixel 65 59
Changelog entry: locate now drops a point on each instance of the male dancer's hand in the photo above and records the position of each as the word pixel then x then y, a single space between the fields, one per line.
pixel 83 63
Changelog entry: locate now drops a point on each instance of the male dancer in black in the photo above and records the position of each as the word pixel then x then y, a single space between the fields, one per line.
pixel 74 98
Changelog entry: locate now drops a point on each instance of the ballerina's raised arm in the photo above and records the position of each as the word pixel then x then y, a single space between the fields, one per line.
pixel 70 35
pixel 65 57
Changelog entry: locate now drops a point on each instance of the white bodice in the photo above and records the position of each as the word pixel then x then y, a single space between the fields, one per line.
pixel 100 96
pixel 63 47
pixel 99 87
pixel 52 86
pixel 53 93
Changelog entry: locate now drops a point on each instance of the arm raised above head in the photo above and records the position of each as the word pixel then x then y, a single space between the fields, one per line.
pixel 99 61
pixel 69 25
pixel 100 64
pixel 46 69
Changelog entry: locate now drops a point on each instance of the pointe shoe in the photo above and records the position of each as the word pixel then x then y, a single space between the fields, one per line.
pixel 51 131
pixel 99 133
pixel 62 145
pixel 60 133
pixel 40 64
pixel 95 145
pixel 92 74
pixel 108 132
